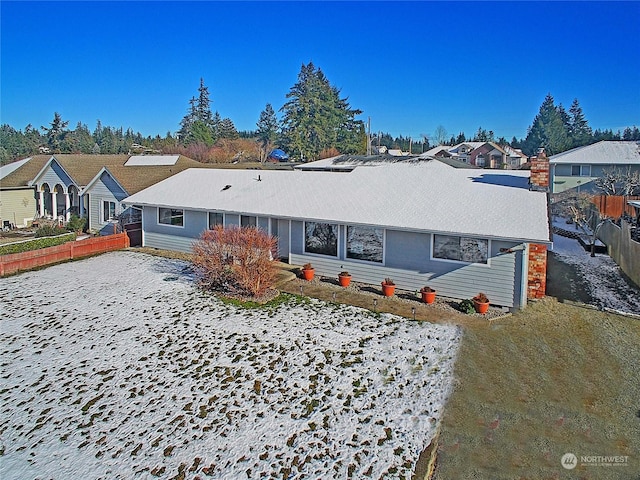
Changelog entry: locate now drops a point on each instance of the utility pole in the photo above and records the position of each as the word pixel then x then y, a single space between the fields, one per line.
pixel 368 136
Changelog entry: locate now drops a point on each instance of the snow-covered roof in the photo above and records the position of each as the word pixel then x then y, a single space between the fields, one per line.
pixel 144 160
pixel 601 153
pixel 428 196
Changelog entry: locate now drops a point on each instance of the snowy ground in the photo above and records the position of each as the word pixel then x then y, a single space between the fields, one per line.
pixel 117 367
pixel 602 275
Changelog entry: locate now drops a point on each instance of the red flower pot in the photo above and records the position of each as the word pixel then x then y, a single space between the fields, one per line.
pixel 428 297
pixel 308 273
pixel 344 280
pixel 388 290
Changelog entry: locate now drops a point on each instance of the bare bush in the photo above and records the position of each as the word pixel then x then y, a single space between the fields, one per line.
pixel 235 261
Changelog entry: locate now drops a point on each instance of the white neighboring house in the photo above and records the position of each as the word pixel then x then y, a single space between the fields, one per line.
pixel 459 231
pixel 579 167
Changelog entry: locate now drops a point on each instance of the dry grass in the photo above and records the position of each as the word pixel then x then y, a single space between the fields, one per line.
pixel 551 379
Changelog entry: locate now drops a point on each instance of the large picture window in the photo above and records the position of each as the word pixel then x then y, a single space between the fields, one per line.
pixel 462 249
pixel 365 243
pixel 321 238
pixel 171 216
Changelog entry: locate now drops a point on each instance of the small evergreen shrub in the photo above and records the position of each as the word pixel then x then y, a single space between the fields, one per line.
pixel 50 231
pixel 36 244
pixel 76 223
pixel 466 306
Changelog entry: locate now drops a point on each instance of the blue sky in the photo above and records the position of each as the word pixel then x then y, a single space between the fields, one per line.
pixel 410 66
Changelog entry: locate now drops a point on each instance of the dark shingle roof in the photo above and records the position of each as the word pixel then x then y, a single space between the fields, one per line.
pixel 83 168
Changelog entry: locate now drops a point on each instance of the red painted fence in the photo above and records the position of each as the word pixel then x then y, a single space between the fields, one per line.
pixel 46 256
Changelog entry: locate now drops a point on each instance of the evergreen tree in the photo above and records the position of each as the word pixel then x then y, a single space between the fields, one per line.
pixel 203 107
pixel 631 133
pixel 460 138
pixel 316 118
pixel 267 130
pixel 227 129
pixel 198 125
pixel 549 130
pixel 580 132
pixel 56 133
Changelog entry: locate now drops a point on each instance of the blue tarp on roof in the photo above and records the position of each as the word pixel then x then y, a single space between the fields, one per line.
pixel 279 155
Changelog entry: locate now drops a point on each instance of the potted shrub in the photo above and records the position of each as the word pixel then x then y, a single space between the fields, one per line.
pixel 481 303
pixel 308 271
pixel 388 287
pixel 428 294
pixel 344 278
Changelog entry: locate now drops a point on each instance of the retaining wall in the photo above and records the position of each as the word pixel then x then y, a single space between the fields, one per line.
pixel 17 262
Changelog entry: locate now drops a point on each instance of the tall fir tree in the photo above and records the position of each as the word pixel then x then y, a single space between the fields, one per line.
pixel 580 132
pixel 198 125
pixel 315 118
pixel 548 130
pixel 227 129
pixel 267 131
pixel 56 133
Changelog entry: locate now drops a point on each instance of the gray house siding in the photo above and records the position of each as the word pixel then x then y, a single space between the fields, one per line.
pixel 407 258
pixel 104 189
pixel 55 175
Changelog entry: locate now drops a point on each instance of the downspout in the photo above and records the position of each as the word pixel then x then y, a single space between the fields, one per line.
pixel 524 284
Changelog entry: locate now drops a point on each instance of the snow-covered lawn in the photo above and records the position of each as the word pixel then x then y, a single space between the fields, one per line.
pixel 603 276
pixel 117 367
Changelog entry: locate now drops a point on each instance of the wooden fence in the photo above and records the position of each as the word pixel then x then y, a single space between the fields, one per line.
pixel 613 206
pixel 17 262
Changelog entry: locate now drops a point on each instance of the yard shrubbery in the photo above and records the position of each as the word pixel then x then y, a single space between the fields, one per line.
pixel 37 243
pixel 235 261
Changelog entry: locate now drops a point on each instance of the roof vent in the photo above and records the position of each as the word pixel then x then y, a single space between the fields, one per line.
pixel 226 187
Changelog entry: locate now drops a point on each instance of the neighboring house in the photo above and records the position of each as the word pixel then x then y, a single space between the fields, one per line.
pixel 422 223
pixel 89 185
pixel 481 154
pixel 579 167
pixel 17 203
pixel 346 163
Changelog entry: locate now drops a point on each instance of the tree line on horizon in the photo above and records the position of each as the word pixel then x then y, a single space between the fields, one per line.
pixel 315 123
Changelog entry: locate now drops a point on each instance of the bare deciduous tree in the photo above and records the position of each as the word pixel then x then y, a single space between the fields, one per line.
pixel 586 215
pixel 615 181
pixel 235 261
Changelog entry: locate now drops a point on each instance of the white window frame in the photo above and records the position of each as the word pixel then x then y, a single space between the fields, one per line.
pixel 304 240
pixel 461 262
pixel 115 210
pixel 370 262
pixel 171 216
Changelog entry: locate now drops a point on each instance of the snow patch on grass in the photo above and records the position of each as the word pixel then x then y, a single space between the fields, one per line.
pixel 117 367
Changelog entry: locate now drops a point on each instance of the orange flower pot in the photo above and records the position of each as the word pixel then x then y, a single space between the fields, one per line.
pixel 428 297
pixel 344 280
pixel 481 307
pixel 308 273
pixel 388 290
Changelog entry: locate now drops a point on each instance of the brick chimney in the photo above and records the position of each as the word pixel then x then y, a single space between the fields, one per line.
pixel 539 179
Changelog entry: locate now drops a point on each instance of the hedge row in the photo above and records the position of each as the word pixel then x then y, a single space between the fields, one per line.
pixel 36 244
